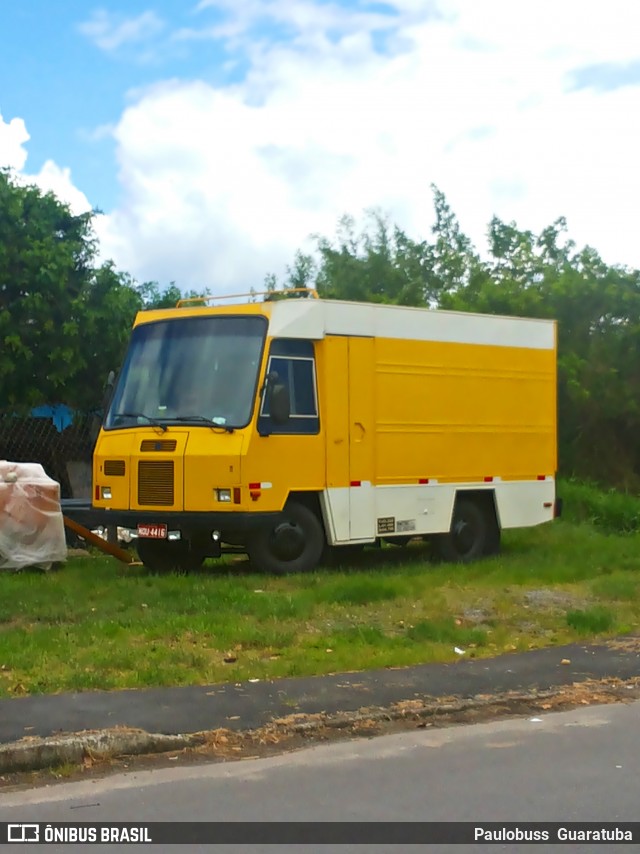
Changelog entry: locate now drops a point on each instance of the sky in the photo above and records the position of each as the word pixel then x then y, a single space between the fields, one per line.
pixel 215 137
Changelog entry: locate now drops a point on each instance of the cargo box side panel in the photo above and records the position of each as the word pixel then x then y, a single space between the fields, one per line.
pixel 463 412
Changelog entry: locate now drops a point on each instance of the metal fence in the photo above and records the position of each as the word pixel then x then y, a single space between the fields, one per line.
pixel 60 440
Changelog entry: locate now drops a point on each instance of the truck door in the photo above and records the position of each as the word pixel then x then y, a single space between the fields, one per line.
pixel 361 439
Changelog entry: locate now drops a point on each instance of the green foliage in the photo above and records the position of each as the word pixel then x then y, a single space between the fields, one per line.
pixel 152 297
pixel 446 631
pixel 618 586
pixel 359 591
pixel 379 265
pixel 592 621
pixel 612 511
pixel 45 257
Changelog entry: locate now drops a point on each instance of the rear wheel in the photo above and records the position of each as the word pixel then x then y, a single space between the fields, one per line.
pixel 474 533
pixel 164 556
pixel 294 543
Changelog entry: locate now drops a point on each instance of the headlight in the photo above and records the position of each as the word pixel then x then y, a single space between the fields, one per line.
pixel 106 492
pixel 223 495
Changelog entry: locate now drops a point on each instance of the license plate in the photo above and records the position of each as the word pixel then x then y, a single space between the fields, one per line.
pixel 153 532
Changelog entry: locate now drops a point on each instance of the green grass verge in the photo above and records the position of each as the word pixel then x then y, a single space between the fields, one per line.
pixel 97 624
pixel 609 510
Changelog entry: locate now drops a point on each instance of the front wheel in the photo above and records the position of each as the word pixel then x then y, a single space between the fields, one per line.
pixel 472 535
pixel 294 543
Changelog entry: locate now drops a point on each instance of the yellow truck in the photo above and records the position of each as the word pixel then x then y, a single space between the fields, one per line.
pixel 286 427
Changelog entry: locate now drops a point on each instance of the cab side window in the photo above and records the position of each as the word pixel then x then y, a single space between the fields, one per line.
pixel 293 361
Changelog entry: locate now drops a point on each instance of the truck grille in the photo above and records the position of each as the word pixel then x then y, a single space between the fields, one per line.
pixel 155 482
pixel 158 445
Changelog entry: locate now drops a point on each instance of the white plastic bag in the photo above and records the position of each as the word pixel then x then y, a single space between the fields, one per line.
pixel 31 524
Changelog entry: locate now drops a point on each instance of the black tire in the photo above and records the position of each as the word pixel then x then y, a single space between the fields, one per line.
pixel 294 543
pixel 474 533
pixel 163 556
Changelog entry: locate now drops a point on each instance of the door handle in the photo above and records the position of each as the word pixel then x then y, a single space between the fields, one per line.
pixel 358 431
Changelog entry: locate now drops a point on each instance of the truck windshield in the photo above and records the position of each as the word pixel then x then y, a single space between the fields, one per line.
pixel 199 369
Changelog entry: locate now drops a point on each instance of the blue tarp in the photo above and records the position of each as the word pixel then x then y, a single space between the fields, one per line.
pixel 60 414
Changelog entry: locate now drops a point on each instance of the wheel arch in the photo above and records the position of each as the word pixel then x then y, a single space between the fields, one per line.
pixel 484 502
pixel 310 500
pixel 485 498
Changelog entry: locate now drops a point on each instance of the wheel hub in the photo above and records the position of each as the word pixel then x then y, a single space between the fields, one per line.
pixel 287 541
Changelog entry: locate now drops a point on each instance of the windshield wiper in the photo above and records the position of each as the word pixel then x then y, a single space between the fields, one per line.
pixel 211 422
pixel 148 418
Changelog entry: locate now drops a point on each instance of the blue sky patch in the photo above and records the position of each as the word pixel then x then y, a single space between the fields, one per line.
pixel 606 76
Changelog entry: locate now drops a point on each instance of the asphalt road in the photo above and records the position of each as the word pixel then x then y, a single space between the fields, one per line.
pixel 572 766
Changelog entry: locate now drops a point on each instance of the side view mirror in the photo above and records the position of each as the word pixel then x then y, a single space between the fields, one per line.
pixel 108 390
pixel 279 404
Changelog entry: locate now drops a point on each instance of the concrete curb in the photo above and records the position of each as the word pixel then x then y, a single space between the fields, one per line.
pixel 33 753
pixel 449 709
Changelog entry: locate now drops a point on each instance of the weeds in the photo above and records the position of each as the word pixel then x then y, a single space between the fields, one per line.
pixel 592 621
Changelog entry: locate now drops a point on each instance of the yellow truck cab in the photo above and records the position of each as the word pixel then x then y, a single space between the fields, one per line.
pixel 287 426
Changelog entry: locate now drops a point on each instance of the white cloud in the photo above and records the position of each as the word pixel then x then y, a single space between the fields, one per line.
pixel 50 178
pixel 13 136
pixel 110 31
pixel 219 185
pixel 54 179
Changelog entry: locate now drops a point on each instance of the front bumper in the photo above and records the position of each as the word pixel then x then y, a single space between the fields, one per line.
pixel 93 517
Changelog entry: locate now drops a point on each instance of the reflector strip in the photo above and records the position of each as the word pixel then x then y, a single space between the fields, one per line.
pixel 488 479
pixel 542 477
pixel 356 483
pixel 423 480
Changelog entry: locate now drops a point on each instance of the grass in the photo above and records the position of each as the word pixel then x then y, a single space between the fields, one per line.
pixel 591 621
pixel 96 624
pixel 610 510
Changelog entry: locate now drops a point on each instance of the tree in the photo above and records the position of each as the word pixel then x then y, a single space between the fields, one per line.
pixel 379 264
pixel 64 322
pixel 45 258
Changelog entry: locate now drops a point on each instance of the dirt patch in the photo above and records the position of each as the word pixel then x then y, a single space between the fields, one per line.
pixel 545 598
pixel 476 616
pixel 624 644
